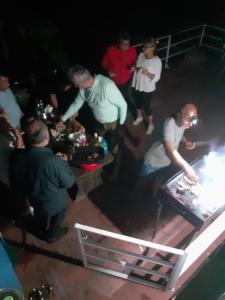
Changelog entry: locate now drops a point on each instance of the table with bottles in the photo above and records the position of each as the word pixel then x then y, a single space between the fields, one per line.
pixel 88 180
pixel 74 137
pixel 79 140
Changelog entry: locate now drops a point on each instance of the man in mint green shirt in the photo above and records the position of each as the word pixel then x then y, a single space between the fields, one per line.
pixel 100 93
pixel 105 100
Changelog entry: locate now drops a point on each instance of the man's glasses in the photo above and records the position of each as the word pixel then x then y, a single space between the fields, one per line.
pixel 191 119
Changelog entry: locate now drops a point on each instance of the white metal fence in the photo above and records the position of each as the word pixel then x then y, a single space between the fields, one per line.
pixel 160 267
pixel 183 41
pixel 119 255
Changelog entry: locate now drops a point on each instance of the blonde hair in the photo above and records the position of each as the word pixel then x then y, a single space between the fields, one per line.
pixel 150 43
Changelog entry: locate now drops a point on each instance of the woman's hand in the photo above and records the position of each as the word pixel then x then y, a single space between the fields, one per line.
pixel 147 73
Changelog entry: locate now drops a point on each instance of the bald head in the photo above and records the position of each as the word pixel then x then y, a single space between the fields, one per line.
pixel 37 133
pixel 187 116
pixel 189 110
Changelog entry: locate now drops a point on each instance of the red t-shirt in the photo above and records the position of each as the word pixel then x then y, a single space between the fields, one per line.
pixel 119 63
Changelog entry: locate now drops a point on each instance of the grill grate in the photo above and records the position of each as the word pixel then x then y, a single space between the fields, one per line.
pixel 183 196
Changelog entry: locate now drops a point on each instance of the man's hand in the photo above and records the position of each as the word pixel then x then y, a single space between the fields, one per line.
pixel 132 69
pixel 60 125
pixel 111 74
pixel 67 87
pixel 19 139
pixel 62 156
pixel 191 175
pixel 189 145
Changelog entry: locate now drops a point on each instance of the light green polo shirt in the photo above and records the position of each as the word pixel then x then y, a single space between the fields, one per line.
pixel 105 100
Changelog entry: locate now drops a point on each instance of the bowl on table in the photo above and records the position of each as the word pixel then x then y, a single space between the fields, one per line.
pixel 88 157
pixel 89 167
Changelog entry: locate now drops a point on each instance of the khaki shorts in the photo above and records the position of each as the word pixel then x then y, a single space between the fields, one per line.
pixel 109 132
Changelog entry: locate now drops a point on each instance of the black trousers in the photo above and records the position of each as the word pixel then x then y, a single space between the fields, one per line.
pixel 127 94
pixel 143 100
pixel 52 225
pixel 124 90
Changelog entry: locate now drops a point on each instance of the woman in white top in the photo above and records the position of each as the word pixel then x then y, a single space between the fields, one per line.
pixel 147 73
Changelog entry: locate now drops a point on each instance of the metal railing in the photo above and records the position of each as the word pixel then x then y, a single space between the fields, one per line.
pixel 111 249
pixel 99 252
pixel 185 40
pixel 203 242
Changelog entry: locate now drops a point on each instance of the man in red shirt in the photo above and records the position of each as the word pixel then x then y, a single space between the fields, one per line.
pixel 119 62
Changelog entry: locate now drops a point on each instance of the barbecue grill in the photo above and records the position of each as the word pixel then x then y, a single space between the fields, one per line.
pixel 202 202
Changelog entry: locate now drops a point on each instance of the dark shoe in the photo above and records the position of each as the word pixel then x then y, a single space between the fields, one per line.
pixel 63 231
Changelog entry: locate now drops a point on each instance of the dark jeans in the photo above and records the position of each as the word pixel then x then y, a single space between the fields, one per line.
pixel 126 91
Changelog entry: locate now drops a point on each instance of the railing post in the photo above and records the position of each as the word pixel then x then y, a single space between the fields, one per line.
pixel 168 51
pixel 176 272
pixel 82 251
pixel 202 35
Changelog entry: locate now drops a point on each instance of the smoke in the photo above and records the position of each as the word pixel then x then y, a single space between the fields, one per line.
pixel 212 176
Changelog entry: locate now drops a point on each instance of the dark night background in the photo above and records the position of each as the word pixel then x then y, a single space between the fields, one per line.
pixel 40 36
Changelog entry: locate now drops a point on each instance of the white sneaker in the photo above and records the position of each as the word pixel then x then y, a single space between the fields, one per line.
pixel 150 129
pixel 138 121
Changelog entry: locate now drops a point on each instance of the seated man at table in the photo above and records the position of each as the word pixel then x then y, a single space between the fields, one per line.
pixel 8 103
pixel 10 140
pixel 43 178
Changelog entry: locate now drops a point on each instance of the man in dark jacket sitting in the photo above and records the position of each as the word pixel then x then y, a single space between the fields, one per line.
pixel 43 178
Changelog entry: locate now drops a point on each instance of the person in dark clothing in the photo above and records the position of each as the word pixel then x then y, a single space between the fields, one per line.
pixel 10 139
pixel 43 178
pixel 61 94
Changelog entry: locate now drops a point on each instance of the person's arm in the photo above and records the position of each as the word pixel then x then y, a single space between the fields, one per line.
pixel 16 103
pixel 150 75
pixel 106 64
pixel 154 77
pixel 115 97
pixel 178 160
pixel 169 136
pixel 19 139
pixel 139 62
pixel 187 144
pixel 64 173
pixel 74 107
pixel 53 100
pixel 133 60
